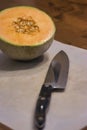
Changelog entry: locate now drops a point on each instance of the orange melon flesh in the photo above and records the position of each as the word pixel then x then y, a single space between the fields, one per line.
pixel 42 20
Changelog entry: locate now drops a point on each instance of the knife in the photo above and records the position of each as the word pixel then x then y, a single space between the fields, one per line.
pixel 55 80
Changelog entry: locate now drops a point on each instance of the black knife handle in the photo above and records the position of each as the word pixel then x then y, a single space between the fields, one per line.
pixel 42 105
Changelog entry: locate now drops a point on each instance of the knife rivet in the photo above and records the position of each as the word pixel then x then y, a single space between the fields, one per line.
pixel 40 118
pixel 42 98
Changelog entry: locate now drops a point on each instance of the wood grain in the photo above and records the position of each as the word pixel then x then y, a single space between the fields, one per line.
pixel 4 127
pixel 70 17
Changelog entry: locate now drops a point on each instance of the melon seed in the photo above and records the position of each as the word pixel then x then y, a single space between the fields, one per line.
pixel 25 25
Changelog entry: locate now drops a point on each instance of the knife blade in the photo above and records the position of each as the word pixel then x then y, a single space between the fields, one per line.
pixel 55 80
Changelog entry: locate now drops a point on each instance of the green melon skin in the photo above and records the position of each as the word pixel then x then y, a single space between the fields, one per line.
pixel 24 52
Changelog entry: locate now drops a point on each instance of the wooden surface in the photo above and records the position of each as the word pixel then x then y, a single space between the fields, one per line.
pixel 70 17
pixel 4 127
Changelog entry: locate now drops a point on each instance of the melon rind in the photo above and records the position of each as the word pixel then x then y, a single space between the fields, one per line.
pixel 26 52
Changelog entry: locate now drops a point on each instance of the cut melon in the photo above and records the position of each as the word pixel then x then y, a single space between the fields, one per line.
pixel 25 32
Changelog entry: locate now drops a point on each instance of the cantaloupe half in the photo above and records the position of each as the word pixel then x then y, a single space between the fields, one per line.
pixel 25 32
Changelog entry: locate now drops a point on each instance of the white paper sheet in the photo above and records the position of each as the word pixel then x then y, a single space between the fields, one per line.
pixel 20 83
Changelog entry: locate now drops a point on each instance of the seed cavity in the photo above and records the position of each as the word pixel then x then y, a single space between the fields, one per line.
pixel 25 25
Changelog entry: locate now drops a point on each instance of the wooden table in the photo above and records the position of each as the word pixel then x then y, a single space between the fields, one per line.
pixel 70 17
